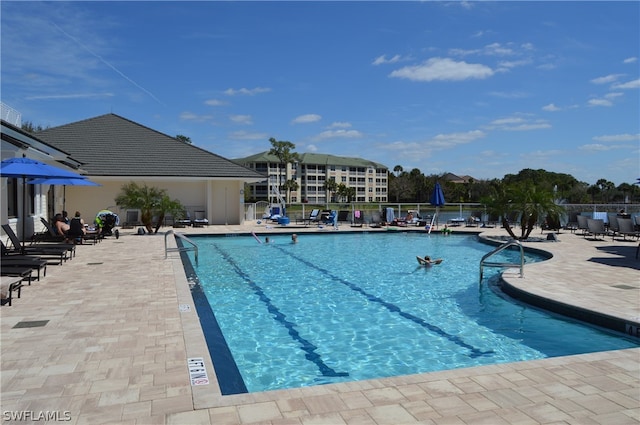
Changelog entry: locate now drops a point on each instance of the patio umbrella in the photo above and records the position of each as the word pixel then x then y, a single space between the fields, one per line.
pixel 29 168
pixel 437 199
pixel 64 181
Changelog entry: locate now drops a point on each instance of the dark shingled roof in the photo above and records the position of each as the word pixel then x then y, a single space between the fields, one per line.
pixel 313 158
pixel 110 145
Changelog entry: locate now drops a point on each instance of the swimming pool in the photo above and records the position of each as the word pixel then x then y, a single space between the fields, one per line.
pixel 345 307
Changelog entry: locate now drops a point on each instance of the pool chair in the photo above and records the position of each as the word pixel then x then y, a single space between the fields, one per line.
pixel 343 216
pixel 358 219
pixel 200 219
pixel 376 219
pixel 583 225
pixel 596 228
pixel 314 217
pixel 626 228
pixel 48 235
pixel 186 221
pixel 9 285
pixel 64 251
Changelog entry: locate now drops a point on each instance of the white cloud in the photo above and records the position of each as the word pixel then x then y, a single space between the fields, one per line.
pixel 600 102
pixel 380 60
pixel 518 124
pixel 632 59
pixel 454 139
pixel 214 102
pixel 241 119
pixel 70 96
pixel 634 84
pixel 550 108
pixel 617 138
pixel 190 116
pixel 340 125
pixel 607 79
pixel 596 147
pixel 443 69
pixel 305 119
pixel 246 92
pixel 338 134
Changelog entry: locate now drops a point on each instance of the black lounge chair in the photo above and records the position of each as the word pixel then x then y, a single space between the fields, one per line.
pixel 64 251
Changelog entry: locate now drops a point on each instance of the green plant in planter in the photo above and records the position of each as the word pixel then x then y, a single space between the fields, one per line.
pixel 150 201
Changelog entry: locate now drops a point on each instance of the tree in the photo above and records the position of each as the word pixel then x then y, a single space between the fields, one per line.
pixel 290 185
pixel 524 202
pixel 149 200
pixel 30 127
pixel 331 187
pixel 283 151
pixel 184 139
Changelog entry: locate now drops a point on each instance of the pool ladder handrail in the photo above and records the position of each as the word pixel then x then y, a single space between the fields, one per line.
pixel 508 244
pixel 193 246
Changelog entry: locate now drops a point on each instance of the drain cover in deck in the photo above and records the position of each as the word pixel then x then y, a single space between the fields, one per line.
pixel 31 324
pixel 624 287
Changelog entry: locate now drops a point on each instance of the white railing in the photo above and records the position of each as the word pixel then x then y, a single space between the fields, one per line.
pixel 193 247
pixel 501 248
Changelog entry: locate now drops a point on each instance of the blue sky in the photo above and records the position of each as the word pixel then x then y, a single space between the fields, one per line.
pixel 473 88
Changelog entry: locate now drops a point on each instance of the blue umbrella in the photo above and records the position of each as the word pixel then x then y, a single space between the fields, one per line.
pixel 437 199
pixel 29 168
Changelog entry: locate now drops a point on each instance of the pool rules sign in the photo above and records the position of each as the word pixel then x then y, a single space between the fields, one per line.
pixel 197 371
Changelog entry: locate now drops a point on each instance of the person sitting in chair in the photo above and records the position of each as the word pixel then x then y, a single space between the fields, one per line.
pixel 76 230
pixel 61 227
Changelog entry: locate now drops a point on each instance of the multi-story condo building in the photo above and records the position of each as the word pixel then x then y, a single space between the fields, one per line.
pixel 368 178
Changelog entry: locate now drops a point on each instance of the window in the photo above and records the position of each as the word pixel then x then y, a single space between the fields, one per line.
pixel 12 197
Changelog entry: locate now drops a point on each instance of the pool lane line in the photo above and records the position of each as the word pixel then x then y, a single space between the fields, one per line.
pixel 307 347
pixel 475 352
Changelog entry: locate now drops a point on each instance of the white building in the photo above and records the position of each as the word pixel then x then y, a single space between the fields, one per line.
pixel 368 178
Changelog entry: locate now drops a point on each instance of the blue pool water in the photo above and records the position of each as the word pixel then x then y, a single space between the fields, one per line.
pixel 346 307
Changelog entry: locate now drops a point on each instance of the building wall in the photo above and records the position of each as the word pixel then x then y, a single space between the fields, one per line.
pixel 371 184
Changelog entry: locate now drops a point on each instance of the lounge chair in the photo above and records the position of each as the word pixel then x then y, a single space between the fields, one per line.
pixel 583 224
pixel 313 217
pixel 626 228
pixel 596 227
pixel 24 273
pixel 186 221
pixel 200 219
pixel 376 219
pixel 343 216
pixel 9 285
pixel 49 234
pixel 35 263
pixel 358 219
pixel 64 251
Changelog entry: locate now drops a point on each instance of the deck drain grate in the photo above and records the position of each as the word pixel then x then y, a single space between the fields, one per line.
pixel 624 287
pixel 31 324
pixel 94 264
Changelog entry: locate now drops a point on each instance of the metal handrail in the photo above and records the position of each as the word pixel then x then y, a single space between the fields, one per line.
pixel 501 248
pixel 193 246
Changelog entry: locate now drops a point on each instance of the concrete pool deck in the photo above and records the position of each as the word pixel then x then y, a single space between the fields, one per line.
pixel 119 327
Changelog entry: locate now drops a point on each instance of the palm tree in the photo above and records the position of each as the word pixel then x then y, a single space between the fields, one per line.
pixel 283 151
pixel 148 200
pixel 331 187
pixel 526 201
pixel 290 185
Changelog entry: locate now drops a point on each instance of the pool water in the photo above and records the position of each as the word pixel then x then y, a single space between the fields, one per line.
pixel 345 307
